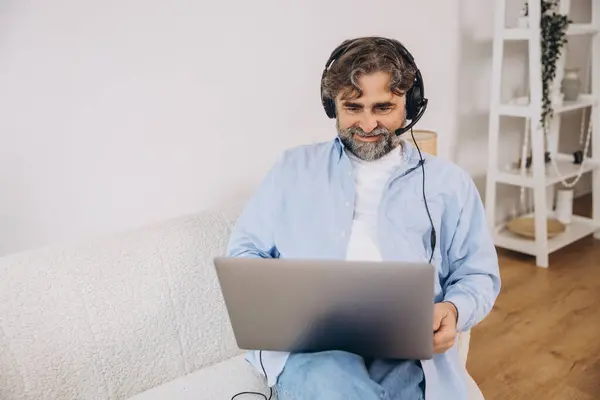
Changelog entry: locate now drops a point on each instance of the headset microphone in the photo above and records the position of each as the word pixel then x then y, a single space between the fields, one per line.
pixel 408 127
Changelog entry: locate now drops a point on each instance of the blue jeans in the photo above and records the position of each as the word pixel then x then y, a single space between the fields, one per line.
pixel 334 375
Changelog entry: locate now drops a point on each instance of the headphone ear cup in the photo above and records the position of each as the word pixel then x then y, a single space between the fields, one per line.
pixel 328 103
pixel 414 99
pixel 329 106
pixel 410 104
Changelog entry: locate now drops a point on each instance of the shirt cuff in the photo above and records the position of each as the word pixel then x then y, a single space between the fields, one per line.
pixel 464 306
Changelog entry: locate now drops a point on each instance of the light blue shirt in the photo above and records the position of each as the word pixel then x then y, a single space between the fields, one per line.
pixel 304 209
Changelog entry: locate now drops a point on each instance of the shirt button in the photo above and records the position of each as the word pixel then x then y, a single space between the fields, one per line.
pixel 343 234
pixel 347 204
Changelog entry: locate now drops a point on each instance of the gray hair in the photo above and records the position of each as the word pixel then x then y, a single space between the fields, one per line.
pixel 368 55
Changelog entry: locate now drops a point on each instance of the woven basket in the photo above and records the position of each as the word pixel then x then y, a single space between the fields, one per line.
pixel 525 227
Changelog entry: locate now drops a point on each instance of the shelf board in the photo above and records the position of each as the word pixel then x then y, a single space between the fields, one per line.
pixel 566 167
pixel 517 110
pixel 579 228
pixel 574 29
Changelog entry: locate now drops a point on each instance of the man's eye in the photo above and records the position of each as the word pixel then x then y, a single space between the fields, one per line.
pixel 385 109
pixel 353 109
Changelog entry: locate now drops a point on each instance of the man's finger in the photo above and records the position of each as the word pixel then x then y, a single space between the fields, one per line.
pixel 443 340
pixel 443 336
pixel 449 343
pixel 438 316
pixel 443 347
pixel 437 322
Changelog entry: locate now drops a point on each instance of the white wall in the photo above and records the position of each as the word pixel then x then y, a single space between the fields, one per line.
pixel 476 34
pixel 116 114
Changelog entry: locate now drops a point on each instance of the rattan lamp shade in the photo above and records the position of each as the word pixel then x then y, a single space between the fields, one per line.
pixel 426 140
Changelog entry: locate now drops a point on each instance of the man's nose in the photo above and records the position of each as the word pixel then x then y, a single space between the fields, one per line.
pixel 368 123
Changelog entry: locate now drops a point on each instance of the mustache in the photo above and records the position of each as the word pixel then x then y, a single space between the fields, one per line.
pixel 377 131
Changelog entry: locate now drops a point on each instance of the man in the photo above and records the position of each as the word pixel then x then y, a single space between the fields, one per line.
pixel 364 196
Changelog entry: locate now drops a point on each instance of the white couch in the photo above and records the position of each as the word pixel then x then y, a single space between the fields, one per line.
pixel 137 315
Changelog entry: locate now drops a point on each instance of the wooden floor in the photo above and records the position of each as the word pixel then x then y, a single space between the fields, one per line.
pixel 542 339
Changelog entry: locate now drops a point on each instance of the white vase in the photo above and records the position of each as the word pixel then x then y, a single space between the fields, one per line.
pixel 564 205
pixel 571 85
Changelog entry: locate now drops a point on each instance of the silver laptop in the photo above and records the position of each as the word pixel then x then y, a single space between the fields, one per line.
pixel 373 309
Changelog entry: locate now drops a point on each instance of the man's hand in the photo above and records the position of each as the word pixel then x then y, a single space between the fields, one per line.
pixel 445 318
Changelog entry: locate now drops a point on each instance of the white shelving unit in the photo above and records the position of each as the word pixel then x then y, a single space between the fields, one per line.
pixel 523 34
pixel 540 176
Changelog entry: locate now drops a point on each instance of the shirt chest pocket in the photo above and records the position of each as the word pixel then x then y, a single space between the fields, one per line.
pixel 410 221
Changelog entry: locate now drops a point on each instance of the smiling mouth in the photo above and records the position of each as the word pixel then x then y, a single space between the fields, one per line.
pixel 368 138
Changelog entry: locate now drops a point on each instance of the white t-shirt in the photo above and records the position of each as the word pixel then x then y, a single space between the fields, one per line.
pixel 370 178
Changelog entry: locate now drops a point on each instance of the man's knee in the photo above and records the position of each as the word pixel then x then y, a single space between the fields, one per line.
pixel 327 375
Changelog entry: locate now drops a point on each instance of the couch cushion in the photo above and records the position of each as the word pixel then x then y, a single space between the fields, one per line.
pixel 219 381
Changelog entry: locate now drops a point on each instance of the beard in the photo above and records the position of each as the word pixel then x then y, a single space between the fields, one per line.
pixel 368 151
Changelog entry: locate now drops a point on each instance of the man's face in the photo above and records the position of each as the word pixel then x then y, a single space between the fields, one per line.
pixel 366 124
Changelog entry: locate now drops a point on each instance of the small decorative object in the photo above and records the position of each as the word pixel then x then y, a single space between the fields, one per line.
pixel 553 38
pixel 525 226
pixel 528 160
pixel 571 84
pixel 524 16
pixel 564 205
pixel 577 157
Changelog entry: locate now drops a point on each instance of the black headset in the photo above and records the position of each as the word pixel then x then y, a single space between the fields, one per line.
pixel 416 103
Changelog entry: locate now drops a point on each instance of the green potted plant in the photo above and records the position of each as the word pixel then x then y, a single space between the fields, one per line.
pixel 553 38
